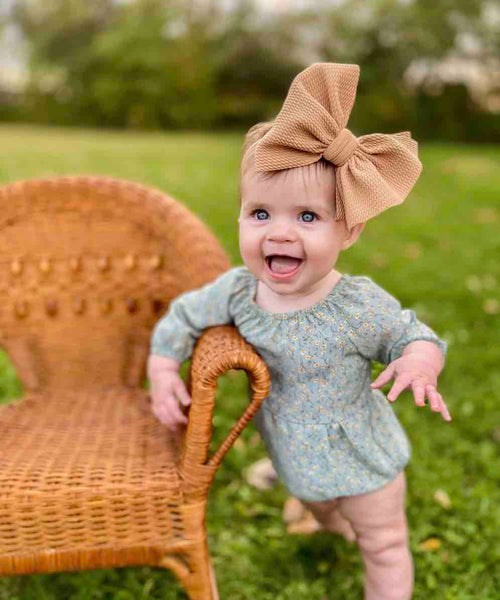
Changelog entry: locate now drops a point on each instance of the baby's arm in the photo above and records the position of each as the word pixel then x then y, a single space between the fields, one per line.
pixel 417 368
pixel 384 332
pixel 173 340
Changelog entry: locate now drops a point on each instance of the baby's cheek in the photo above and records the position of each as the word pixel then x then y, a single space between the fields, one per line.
pixel 249 245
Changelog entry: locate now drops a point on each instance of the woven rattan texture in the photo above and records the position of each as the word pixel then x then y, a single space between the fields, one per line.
pixel 87 266
pixel 87 460
pixel 88 477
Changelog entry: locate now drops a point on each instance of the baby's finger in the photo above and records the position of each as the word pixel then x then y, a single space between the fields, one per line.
pixel 418 393
pixel 160 412
pixel 167 410
pixel 433 396
pixel 400 384
pixel 177 416
pixel 182 394
pixel 444 409
pixel 383 377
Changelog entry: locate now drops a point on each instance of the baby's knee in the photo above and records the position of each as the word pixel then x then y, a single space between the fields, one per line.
pixel 384 545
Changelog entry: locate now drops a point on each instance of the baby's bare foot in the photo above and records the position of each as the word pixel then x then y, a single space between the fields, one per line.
pixel 301 521
pixel 306 526
pixel 293 510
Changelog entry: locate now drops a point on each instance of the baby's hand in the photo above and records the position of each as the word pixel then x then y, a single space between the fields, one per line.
pixel 168 392
pixel 417 368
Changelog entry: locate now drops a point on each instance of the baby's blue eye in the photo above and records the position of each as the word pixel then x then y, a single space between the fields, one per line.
pixel 261 214
pixel 308 216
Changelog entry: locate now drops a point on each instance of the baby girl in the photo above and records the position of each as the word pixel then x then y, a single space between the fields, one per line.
pixel 308 185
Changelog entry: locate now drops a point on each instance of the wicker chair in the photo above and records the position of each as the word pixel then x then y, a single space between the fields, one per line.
pixel 88 478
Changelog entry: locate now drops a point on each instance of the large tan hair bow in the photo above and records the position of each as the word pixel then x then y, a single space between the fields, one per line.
pixel 374 172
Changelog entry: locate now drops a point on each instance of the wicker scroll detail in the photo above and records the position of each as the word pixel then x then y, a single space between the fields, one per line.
pixel 217 351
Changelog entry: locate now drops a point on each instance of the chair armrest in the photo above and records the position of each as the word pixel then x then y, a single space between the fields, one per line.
pixel 218 350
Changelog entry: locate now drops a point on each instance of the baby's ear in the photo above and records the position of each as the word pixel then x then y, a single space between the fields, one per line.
pixel 352 235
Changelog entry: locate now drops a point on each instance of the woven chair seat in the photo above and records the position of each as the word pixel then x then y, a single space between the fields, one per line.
pixel 89 472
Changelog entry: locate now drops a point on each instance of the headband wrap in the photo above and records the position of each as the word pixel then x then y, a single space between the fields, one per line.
pixel 373 172
pixel 342 148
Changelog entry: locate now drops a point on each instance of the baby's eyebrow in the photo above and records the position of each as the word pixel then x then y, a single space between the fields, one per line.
pixel 251 204
pixel 314 208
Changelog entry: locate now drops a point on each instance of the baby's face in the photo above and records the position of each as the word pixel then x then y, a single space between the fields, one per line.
pixel 289 238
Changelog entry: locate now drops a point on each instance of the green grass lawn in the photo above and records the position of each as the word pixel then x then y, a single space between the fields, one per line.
pixel 439 254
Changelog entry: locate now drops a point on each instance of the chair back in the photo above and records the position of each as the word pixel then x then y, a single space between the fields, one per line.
pixel 88 265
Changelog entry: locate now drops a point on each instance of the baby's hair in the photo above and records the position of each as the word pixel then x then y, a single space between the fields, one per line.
pixel 256 133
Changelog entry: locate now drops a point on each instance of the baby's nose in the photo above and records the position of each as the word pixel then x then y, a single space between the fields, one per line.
pixel 281 231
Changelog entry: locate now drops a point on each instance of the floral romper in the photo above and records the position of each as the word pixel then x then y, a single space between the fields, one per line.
pixel 327 433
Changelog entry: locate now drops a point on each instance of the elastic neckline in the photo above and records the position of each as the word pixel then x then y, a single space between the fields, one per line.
pixel 294 313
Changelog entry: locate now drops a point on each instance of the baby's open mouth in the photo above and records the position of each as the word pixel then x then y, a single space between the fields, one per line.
pixel 283 264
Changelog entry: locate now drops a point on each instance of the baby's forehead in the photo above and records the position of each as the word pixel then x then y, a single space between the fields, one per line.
pixel 314 182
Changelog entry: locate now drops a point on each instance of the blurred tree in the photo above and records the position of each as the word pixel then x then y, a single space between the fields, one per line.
pixel 99 62
pixel 151 63
pixel 387 37
pixel 256 62
pixel 205 63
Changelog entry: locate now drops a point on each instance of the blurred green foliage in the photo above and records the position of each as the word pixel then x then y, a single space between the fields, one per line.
pixel 187 64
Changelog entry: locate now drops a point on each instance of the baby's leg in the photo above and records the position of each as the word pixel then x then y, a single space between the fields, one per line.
pixel 379 521
pixel 328 516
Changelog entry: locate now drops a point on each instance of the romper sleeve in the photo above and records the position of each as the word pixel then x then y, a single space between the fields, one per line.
pixel 377 325
pixel 175 334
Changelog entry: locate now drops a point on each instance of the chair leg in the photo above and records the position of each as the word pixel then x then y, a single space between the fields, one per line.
pixel 200 584
pixel 199 578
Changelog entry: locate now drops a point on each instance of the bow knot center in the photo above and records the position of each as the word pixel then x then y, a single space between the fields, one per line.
pixel 342 148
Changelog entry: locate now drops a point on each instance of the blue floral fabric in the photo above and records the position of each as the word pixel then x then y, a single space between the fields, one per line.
pixel 327 433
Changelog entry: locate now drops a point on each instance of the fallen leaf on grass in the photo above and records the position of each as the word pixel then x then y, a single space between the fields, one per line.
pixel 412 251
pixel 430 545
pixel 442 498
pixel 473 283
pixel 485 215
pixel 491 306
pixel 378 259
